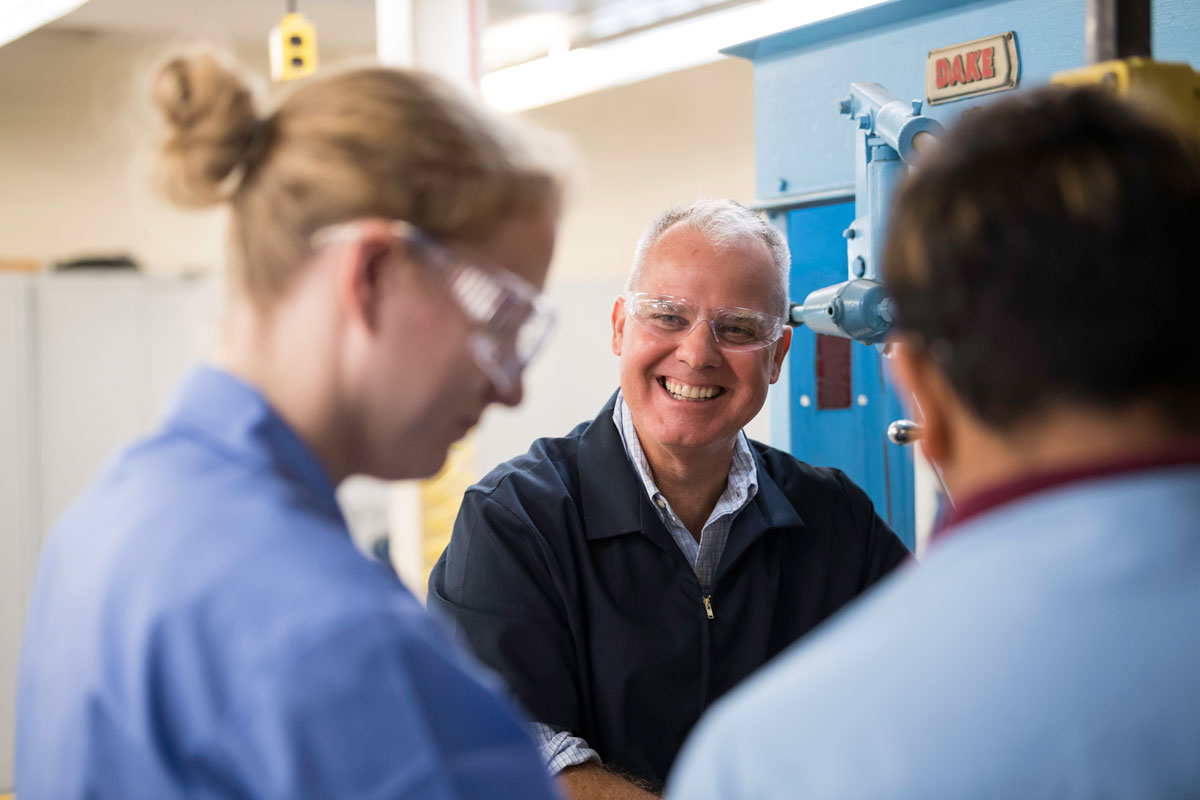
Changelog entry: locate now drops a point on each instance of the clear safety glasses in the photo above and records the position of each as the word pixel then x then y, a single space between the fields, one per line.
pixel 674 318
pixel 510 318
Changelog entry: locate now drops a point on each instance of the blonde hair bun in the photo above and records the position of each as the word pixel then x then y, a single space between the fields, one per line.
pixel 211 128
pixel 346 144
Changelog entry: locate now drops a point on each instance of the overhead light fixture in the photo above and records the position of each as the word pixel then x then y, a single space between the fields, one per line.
pixel 639 56
pixel 616 17
pixel 19 17
pixel 525 38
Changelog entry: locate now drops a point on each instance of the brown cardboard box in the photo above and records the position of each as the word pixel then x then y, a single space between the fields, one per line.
pixel 20 265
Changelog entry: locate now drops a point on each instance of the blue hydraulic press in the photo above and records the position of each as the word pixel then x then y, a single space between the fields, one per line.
pixel 843 107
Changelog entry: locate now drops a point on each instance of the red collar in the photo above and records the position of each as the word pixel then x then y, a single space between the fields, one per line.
pixel 1187 454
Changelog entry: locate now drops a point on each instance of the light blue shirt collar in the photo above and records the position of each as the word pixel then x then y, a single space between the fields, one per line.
pixel 234 415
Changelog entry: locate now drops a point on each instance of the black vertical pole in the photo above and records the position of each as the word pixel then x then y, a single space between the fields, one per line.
pixel 1117 29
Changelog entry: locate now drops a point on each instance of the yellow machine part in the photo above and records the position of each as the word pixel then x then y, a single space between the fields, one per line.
pixel 1176 85
pixel 293 46
pixel 441 496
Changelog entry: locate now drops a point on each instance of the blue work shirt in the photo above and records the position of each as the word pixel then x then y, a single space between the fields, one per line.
pixel 1049 648
pixel 203 626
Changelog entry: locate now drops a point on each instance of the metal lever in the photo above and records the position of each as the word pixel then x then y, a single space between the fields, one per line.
pixel 856 309
pixel 904 431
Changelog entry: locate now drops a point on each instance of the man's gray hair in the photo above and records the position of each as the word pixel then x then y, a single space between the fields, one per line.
pixel 724 223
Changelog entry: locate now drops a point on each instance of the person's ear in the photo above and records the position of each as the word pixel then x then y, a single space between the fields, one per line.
pixel 362 273
pixel 930 395
pixel 618 325
pixel 781 350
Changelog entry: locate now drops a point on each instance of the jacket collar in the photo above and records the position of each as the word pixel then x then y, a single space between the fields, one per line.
pixel 769 509
pixel 614 502
pixel 233 416
pixel 613 499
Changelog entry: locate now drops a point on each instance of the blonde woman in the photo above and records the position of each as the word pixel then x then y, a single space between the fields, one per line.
pixel 202 625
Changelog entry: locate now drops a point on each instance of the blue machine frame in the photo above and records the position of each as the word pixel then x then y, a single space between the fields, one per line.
pixel 806 176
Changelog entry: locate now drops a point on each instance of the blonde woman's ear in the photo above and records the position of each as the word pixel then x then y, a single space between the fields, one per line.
pixel 363 266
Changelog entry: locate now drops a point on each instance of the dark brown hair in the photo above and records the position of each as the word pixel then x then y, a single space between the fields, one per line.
pixel 1044 255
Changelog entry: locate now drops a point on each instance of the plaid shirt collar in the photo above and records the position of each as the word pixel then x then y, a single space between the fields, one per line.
pixel 740 489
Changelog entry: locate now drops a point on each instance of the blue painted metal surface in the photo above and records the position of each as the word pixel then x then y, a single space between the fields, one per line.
pixel 852 439
pixel 805 145
pixel 885 140
pixel 800 76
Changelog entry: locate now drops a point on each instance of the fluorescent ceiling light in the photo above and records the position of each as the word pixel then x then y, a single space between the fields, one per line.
pixel 19 17
pixel 645 55
pixel 525 38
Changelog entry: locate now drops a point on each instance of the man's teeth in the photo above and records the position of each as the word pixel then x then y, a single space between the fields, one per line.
pixel 682 391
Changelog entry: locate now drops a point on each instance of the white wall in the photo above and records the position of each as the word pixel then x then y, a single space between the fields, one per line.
pixel 18 497
pixel 73 155
pixel 641 149
pixel 75 145
pixel 645 147
pixel 88 361
pixel 75 139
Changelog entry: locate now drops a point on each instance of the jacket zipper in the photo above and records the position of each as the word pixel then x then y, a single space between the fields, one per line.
pixel 708 606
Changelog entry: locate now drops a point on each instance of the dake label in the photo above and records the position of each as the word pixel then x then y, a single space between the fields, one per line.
pixel 974 65
pixel 972 68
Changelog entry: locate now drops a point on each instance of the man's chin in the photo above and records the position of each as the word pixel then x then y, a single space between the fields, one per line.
pixel 685 438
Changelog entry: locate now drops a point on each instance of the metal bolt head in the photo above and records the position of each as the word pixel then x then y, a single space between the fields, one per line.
pixel 864 122
pixel 886 310
pixel 917 105
pixel 859 266
pixel 904 431
pixel 845 106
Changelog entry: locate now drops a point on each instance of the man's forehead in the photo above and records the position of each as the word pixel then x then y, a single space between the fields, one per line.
pixel 687 262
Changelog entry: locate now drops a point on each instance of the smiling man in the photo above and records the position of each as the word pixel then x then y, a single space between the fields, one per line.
pixel 623 577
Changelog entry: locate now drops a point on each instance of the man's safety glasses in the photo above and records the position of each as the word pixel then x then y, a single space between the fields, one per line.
pixel 674 318
pixel 510 318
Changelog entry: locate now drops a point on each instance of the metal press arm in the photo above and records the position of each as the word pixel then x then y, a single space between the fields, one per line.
pixel 890 134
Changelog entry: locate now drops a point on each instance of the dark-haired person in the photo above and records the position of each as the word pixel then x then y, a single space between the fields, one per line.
pixel 624 576
pixel 1049 646
pixel 202 625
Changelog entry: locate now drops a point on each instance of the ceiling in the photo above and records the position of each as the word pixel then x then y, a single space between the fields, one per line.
pixel 342 24
pixel 515 31
pixel 532 52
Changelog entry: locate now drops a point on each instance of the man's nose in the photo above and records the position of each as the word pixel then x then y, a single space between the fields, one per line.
pixel 699 347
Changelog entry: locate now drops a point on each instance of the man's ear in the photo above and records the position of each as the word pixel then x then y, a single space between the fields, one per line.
pixel 781 350
pixel 618 325
pixel 361 271
pixel 931 397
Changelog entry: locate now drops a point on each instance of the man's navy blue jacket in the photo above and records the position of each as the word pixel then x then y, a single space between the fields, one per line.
pixel 562 578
